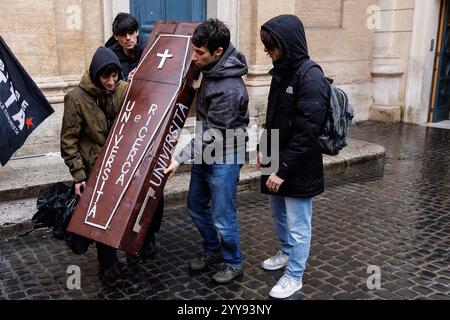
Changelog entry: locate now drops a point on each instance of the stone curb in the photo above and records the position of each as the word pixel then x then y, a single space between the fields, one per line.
pixel 357 155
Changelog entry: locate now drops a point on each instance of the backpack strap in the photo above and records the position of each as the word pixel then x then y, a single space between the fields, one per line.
pixel 302 71
pixel 305 67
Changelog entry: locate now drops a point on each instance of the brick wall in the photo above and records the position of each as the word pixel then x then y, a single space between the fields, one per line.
pixel 54 40
pixel 338 39
pixel 52 37
pixel 26 29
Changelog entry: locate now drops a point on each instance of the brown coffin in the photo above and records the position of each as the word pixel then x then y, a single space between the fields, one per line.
pixel 127 181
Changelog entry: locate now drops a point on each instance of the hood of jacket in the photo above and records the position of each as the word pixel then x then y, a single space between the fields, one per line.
pixel 289 31
pixel 231 64
pixel 90 87
pixel 103 57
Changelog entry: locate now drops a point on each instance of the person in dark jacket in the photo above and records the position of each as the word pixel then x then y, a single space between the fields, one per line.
pixel 128 47
pixel 126 43
pixel 222 115
pixel 297 106
pixel 89 112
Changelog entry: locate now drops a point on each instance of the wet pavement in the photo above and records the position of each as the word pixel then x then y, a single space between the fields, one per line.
pixel 391 217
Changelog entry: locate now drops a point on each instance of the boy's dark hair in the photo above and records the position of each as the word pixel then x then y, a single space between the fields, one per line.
pixel 212 34
pixel 269 41
pixel 124 23
pixel 108 70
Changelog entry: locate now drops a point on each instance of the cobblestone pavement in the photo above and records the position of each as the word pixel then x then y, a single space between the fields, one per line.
pixel 394 215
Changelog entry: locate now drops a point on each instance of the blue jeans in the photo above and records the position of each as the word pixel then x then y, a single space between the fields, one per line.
pixel 217 222
pixel 292 219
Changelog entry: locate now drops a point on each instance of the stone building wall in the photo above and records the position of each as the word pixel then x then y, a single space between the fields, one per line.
pixel 374 49
pixel 338 39
pixel 54 40
pixel 391 50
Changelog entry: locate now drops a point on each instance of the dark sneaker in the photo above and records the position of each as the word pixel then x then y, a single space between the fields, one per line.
pixel 147 252
pixel 227 274
pixel 205 262
pixel 139 259
pixel 112 274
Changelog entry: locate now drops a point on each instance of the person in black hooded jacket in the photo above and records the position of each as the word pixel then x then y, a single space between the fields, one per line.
pixel 128 47
pixel 126 43
pixel 297 106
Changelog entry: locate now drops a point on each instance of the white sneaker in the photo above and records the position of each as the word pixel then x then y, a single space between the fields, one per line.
pixel 285 287
pixel 278 261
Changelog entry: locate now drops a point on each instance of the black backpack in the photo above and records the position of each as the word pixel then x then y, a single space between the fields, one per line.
pixel 338 118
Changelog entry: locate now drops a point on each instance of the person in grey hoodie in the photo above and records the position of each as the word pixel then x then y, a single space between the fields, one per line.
pixel 218 149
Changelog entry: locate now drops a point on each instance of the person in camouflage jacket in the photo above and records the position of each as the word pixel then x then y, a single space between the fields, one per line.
pixel 89 112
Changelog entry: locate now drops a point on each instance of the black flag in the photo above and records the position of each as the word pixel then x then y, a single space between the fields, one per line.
pixel 22 105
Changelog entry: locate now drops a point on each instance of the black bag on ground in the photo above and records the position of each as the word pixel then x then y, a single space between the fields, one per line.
pixel 51 202
pixel 56 205
pixel 77 243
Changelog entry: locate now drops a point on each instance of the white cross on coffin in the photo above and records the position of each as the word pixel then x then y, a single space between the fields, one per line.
pixel 164 56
